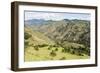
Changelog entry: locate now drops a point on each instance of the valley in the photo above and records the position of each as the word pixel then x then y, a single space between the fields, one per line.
pixel 56 40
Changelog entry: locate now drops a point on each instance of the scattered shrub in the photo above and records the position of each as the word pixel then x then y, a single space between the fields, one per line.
pixel 27 35
pixel 63 58
pixel 43 45
pixel 63 50
pixel 55 45
pixel 49 48
pixel 80 54
pixel 53 54
pixel 36 48
pixel 73 52
pixel 56 49
pixel 66 50
pixel 26 43
pixel 87 51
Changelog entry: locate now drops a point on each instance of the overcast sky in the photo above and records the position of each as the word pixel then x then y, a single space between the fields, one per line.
pixel 55 15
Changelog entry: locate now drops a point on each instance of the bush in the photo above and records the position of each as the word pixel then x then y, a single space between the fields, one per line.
pixel 73 52
pixel 63 50
pixel 26 43
pixel 80 54
pixel 55 45
pixel 49 48
pixel 66 50
pixel 56 49
pixel 43 45
pixel 27 35
pixel 53 54
pixel 36 48
pixel 87 51
pixel 63 58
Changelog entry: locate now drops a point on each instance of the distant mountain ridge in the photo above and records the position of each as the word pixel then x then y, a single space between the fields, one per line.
pixel 43 21
pixel 35 21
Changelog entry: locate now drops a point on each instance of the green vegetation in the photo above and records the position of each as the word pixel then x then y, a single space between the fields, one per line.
pixel 53 54
pixel 43 54
pixel 63 58
pixel 57 40
pixel 27 35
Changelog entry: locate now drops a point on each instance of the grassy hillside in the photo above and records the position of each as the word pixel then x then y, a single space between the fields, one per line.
pixel 36 37
pixel 39 46
pixel 43 54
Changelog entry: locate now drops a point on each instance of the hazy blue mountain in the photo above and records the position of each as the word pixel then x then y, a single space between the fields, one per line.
pixel 35 21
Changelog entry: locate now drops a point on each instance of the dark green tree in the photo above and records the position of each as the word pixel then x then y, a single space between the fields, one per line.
pixel 52 53
pixel 27 35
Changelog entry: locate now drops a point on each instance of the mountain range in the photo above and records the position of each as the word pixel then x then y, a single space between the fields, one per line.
pixel 56 40
pixel 77 31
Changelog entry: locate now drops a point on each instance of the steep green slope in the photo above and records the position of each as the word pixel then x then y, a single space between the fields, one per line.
pixel 37 38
